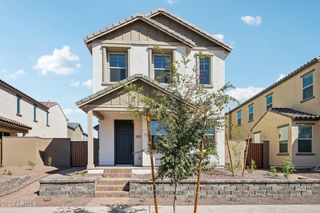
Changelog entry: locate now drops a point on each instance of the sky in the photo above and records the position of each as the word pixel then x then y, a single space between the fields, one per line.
pixel 43 54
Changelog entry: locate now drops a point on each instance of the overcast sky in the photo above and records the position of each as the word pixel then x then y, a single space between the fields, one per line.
pixel 43 54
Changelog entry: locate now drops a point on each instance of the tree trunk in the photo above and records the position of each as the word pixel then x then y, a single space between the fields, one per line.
pixel 229 152
pixel 151 162
pixel 175 196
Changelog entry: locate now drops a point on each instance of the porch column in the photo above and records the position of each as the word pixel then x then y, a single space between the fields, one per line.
pixel 90 164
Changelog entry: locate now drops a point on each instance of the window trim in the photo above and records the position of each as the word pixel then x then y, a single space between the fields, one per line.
pixel 18 106
pixel 210 68
pixel 161 69
pixel 35 113
pixel 239 112
pixel 281 141
pixel 311 85
pixel 269 106
pixel 311 139
pixel 110 67
pixel 251 120
pixel 47 118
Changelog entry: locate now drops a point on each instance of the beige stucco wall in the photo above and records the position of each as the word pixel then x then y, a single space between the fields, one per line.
pixel 75 135
pixel 288 94
pixel 306 160
pixel 268 128
pixel 19 150
pixel 57 121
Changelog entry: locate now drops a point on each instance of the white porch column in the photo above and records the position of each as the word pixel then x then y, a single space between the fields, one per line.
pixel 90 164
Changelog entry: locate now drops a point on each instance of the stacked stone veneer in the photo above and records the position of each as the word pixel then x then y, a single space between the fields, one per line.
pixel 82 187
pixel 12 184
pixel 228 188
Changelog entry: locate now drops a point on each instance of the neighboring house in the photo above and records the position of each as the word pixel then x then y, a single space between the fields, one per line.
pixel 128 52
pixel 287 115
pixel 21 115
pixel 75 132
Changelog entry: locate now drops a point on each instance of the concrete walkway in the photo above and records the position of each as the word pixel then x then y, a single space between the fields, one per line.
pixel 168 209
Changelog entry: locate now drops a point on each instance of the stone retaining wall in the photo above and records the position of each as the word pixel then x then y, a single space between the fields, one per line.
pixel 228 188
pixel 68 187
pixel 12 184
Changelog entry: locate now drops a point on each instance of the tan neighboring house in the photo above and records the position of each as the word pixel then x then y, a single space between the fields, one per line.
pixel 22 115
pixel 287 115
pixel 75 132
pixel 128 52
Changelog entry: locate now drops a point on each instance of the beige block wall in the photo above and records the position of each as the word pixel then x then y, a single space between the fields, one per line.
pixel 268 128
pixel 288 94
pixel 19 150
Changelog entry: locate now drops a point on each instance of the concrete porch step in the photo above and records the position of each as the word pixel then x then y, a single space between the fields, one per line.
pixel 117 175
pixel 117 170
pixel 112 188
pixel 112 194
pixel 113 181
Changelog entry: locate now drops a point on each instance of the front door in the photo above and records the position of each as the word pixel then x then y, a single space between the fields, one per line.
pixel 123 141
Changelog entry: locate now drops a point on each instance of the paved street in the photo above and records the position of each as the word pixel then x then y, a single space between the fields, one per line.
pixel 168 209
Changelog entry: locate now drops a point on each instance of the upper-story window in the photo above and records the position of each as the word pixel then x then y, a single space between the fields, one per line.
pixel 250 112
pixel 239 118
pixel 162 67
pixel 269 101
pixel 307 86
pixel 18 105
pixel 205 71
pixel 47 118
pixel 34 113
pixel 118 66
pixel 305 138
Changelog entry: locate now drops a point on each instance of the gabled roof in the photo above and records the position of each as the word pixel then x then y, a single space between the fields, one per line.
pixel 14 124
pixel 121 84
pixel 295 114
pixel 49 104
pixel 147 18
pixel 21 94
pixel 295 72
pixel 74 125
pixel 191 26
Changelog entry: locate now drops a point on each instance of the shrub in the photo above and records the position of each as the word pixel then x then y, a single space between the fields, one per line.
pixel 50 160
pixel 273 171
pixel 287 168
pixel 252 166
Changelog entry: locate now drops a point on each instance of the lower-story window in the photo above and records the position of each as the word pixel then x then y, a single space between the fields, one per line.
pixel 156 131
pixel 283 139
pixel 305 138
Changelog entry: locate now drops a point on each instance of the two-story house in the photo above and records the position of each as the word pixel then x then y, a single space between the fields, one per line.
pixel 128 52
pixel 22 115
pixel 287 115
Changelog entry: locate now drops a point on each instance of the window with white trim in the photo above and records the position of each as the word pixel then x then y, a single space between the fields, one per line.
pixel 283 139
pixel 162 63
pixel 156 131
pixel 307 86
pixel 305 138
pixel 205 70
pixel 118 66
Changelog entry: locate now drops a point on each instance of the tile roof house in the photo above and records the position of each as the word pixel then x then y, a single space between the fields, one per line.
pixel 139 50
pixel 286 115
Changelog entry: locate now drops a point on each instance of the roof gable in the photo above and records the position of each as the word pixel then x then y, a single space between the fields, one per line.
pixel 188 28
pixel 154 24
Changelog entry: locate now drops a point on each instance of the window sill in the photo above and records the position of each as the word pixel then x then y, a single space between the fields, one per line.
pixel 307 99
pixel 305 154
pixel 283 154
pixel 48 125
pixel 35 121
pixel 18 114
pixel 208 86
pixel 250 121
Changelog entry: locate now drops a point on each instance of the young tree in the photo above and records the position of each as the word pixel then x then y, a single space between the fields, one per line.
pixel 185 115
